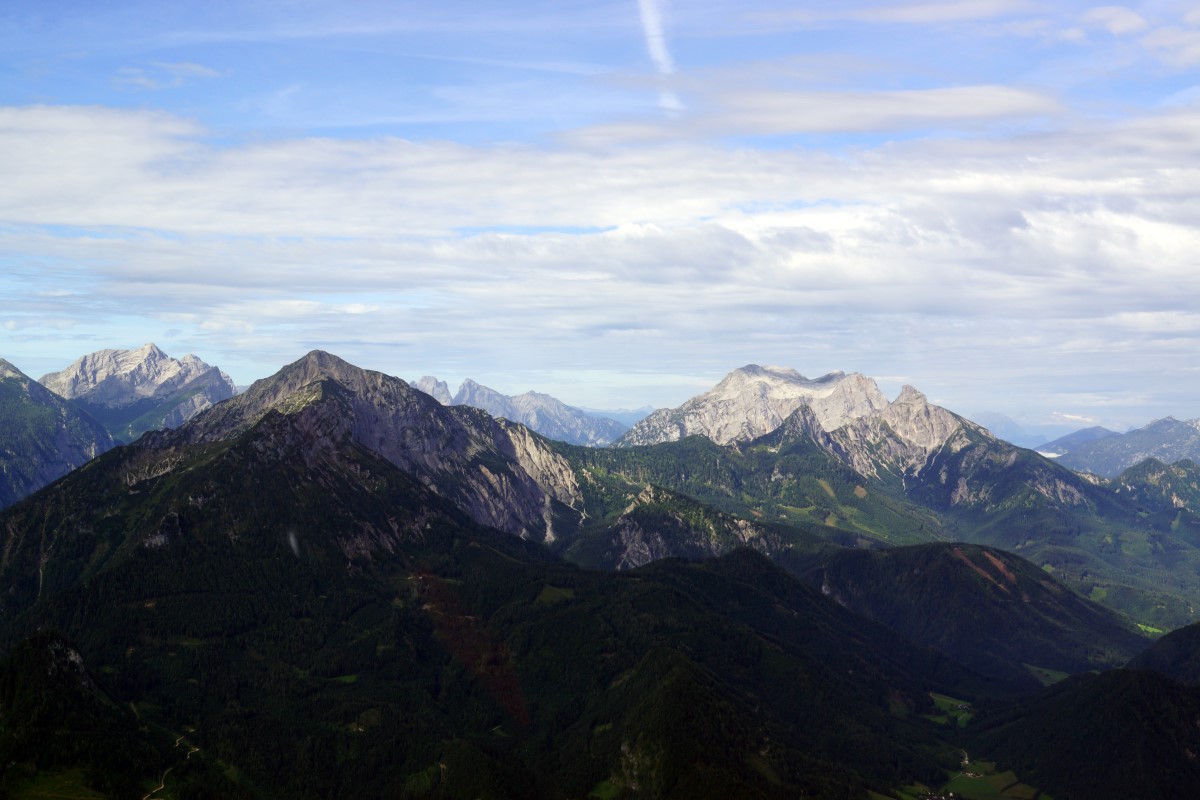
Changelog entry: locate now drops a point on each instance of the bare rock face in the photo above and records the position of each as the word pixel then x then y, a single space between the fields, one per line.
pixel 133 391
pixel 645 533
pixel 539 412
pixel 552 472
pixel 501 475
pixel 899 440
pixel 920 423
pixel 845 415
pixel 752 401
pixel 874 450
pixel 436 389
pixel 120 377
pixel 938 458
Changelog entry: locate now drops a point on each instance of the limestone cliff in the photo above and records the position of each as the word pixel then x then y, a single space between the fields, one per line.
pixel 132 391
pixel 754 400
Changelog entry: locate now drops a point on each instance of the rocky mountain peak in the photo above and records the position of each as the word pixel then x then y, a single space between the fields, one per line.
pixel 498 474
pixel 436 389
pixel 116 378
pixel 754 400
pixel 287 391
pixel 754 372
pixel 7 370
pixel 918 422
pixel 539 412
pixel 132 391
pixel 474 394
pixel 317 364
pixel 911 395
pixel 800 424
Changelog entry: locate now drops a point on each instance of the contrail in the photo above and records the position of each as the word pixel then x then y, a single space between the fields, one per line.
pixel 656 45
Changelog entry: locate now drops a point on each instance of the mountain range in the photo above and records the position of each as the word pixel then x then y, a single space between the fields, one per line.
pixel 754 400
pixel 1167 440
pixel 539 412
pixel 133 391
pixel 296 584
pixel 333 584
pixel 833 453
pixel 1074 440
pixel 907 471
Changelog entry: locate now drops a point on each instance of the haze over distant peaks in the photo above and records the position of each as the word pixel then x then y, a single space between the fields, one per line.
pixel 132 391
pixel 1167 439
pixel 539 412
pixel 626 416
pixel 436 389
pixel 1074 441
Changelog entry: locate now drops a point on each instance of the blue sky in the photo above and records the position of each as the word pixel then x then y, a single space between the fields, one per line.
pixel 616 202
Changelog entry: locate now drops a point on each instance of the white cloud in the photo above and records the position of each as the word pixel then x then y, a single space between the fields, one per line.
pixel 1054 253
pixel 778 112
pixel 1179 47
pixel 1073 419
pixel 1117 20
pixel 656 39
pixel 1173 322
pixel 163 75
pixel 959 11
pixel 656 44
pixel 910 13
pixel 734 111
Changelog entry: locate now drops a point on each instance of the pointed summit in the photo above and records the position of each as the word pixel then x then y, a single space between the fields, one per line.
pixel 920 423
pixel 911 395
pixel 436 389
pixel 474 394
pixel 539 412
pixel 500 475
pixel 292 388
pixel 7 370
pixel 132 391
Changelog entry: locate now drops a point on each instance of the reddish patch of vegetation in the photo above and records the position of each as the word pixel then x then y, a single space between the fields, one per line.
pixel 1000 565
pixel 473 645
pixel 963 557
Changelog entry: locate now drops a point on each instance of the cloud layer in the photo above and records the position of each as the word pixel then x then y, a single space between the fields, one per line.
pixel 1003 240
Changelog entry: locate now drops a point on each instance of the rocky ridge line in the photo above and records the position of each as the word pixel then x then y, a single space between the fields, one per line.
pixel 539 412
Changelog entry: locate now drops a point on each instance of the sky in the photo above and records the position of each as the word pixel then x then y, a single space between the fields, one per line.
pixel 996 201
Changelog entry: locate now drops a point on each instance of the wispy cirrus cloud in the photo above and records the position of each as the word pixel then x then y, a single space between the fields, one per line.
pixel 650 12
pixel 1117 20
pixel 160 75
